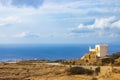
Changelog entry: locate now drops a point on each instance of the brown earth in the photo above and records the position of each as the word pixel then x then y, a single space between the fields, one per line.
pixel 40 71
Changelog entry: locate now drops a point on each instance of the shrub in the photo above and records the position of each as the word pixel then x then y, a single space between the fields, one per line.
pixel 97 70
pixel 115 55
pixel 94 78
pixel 79 70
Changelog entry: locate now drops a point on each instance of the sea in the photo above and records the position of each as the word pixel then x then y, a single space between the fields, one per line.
pixel 48 51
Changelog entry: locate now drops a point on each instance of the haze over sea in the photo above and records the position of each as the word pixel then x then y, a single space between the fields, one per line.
pixel 47 51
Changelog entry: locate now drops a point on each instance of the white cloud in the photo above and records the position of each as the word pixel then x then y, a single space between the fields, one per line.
pixel 116 24
pixel 82 7
pixel 72 7
pixel 74 11
pixel 100 23
pixel 9 21
pixel 26 34
pixel 21 35
pixel 102 27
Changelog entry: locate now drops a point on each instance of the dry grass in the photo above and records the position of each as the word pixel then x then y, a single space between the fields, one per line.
pixel 25 71
pixel 39 71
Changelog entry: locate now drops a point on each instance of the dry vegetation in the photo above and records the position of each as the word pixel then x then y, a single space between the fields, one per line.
pixel 27 70
pixel 36 71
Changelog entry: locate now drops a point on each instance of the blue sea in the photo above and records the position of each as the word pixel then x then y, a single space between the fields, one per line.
pixel 47 51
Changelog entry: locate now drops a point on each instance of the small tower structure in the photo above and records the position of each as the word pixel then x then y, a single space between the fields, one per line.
pixel 101 50
pixel 94 54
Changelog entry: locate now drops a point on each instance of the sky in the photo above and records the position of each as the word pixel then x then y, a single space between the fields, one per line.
pixel 59 21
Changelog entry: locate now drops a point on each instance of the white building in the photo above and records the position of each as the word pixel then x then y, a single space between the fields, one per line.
pixel 101 50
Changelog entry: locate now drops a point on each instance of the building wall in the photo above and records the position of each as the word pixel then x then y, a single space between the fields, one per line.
pixel 102 50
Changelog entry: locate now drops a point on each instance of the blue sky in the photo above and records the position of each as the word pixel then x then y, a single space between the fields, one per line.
pixel 59 21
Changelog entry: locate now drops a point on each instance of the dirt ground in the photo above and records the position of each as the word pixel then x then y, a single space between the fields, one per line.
pixel 41 71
